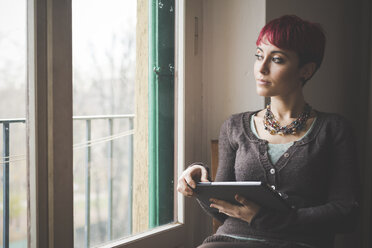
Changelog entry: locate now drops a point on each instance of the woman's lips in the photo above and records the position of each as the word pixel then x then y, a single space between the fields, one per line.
pixel 263 82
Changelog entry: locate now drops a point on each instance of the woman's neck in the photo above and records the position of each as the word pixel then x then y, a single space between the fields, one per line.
pixel 288 108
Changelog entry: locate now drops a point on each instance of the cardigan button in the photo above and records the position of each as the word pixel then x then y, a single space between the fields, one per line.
pixel 272 171
pixel 286 155
pixel 273 187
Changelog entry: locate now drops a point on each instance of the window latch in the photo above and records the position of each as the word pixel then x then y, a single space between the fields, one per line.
pixel 160 71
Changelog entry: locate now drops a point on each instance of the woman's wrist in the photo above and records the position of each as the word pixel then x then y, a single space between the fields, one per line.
pixel 255 215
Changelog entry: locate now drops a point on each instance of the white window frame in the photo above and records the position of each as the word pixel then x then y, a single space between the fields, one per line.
pixel 50 131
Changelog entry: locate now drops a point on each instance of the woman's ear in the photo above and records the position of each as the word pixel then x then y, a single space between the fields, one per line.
pixel 307 71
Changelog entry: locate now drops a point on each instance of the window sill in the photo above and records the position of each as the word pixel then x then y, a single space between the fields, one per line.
pixel 170 235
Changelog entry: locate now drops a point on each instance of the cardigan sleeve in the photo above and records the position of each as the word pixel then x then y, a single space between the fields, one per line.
pixel 226 154
pixel 339 213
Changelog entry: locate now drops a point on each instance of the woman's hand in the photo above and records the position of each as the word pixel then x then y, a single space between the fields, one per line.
pixel 189 177
pixel 245 212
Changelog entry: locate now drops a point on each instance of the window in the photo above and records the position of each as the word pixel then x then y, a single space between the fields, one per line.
pixel 81 155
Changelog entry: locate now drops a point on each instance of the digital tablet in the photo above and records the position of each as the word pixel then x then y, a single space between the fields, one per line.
pixel 256 191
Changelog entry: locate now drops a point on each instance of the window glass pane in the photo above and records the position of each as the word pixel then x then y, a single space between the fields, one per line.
pixel 104 59
pixel 13 195
pixel 119 192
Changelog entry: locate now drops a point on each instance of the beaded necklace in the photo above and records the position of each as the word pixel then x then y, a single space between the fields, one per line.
pixel 273 126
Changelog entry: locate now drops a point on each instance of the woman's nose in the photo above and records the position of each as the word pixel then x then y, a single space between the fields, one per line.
pixel 264 68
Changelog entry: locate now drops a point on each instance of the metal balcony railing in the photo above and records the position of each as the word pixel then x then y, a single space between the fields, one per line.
pixel 87 145
pixel 6 128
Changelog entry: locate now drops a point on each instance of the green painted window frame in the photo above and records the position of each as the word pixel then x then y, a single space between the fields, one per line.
pixel 161 111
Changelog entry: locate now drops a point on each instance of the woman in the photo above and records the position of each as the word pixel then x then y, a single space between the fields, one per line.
pixel 306 155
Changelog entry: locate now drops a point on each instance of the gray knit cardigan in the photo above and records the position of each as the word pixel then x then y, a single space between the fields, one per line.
pixel 318 173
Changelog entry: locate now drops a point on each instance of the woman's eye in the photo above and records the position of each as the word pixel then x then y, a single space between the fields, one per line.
pixel 259 57
pixel 278 60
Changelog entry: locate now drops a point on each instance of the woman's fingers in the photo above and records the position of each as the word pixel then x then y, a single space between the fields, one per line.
pixel 246 202
pixel 223 207
pixel 249 208
pixel 244 212
pixel 183 188
pixel 188 189
pixel 190 181
pixel 242 200
pixel 204 175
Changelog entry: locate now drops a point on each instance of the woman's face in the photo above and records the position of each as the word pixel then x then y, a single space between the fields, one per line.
pixel 276 71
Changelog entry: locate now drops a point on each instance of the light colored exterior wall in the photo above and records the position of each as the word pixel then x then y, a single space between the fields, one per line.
pixel 140 216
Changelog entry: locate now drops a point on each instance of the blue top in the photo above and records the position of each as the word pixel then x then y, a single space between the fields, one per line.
pixel 275 151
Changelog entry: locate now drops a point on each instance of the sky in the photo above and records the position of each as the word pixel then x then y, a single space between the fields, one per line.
pixel 12 43
pixel 94 22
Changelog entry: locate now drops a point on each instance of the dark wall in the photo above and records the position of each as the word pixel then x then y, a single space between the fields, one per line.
pixel 343 83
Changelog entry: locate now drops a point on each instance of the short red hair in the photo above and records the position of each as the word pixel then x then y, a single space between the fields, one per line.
pixel 290 32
